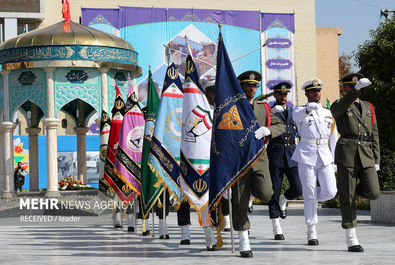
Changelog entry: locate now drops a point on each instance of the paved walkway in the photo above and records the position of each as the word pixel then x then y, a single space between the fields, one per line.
pixel 92 240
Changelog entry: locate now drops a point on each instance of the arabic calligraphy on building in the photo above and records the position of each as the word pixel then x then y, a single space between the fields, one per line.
pixel 77 76
pixel 92 53
pixel 27 78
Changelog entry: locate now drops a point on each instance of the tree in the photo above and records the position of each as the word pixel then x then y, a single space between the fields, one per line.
pixel 376 59
pixel 344 68
pixel 345 65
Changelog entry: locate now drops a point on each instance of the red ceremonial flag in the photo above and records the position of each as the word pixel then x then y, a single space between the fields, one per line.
pixel 116 123
pixel 66 15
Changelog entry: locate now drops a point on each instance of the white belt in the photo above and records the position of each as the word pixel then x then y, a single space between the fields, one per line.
pixel 314 141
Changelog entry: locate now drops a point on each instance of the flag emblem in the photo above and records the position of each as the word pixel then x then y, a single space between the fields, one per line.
pixel 199 185
pixel 198 123
pixel 231 120
pixel 173 124
pixel 126 189
pixel 172 73
pixel 135 139
pixel 190 68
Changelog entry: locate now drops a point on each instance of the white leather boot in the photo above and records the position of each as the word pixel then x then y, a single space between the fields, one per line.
pixel 163 229
pixel 352 241
pixel 244 244
pixel 227 223
pixel 210 239
pixel 130 218
pixel 185 235
pixel 118 220
pixel 312 235
pixel 282 202
pixel 250 207
pixel 277 231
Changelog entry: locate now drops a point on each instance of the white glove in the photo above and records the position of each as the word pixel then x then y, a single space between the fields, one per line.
pixel 262 132
pixel 312 106
pixel 335 168
pixel 377 167
pixel 363 82
pixel 278 108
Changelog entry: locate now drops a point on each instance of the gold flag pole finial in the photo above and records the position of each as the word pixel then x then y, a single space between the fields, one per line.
pixel 187 45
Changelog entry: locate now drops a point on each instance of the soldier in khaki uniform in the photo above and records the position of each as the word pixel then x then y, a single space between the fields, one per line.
pixel 257 181
pixel 357 153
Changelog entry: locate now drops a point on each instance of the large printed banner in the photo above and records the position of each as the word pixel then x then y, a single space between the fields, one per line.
pixel 158 35
pixel 103 19
pixel 278 55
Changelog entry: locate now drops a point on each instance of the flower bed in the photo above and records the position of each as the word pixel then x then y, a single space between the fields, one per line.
pixel 72 183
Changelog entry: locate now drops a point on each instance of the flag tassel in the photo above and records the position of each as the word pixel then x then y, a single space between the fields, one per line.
pixel 163 183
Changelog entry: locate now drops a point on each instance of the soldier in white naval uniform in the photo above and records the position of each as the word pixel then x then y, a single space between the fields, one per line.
pixel 316 128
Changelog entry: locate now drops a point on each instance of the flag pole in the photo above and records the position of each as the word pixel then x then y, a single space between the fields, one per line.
pixel 244 55
pixel 164 212
pixel 153 222
pixel 135 211
pixel 231 222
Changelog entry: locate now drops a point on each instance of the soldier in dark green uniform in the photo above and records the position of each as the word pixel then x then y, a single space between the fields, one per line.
pixel 357 153
pixel 257 181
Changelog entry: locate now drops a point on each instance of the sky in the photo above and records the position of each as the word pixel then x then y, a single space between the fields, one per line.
pixel 355 17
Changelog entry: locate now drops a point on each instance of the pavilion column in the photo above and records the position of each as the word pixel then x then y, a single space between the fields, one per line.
pixel 2 167
pixel 51 127
pixel 104 90
pixel 7 128
pixel 81 152
pixel 8 159
pixel 33 157
pixel 50 92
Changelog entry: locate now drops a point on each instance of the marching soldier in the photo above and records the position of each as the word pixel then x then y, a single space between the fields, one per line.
pixel 357 154
pixel 279 151
pixel 257 181
pixel 315 159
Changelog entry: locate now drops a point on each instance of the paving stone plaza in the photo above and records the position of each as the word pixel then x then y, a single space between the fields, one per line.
pixel 93 240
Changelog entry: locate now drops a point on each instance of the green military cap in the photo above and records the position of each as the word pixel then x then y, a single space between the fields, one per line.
pixel 312 84
pixel 351 78
pixel 250 77
pixel 281 87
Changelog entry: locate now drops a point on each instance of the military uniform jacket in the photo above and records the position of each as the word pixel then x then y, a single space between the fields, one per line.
pixel 281 148
pixel 309 153
pixel 277 128
pixel 348 150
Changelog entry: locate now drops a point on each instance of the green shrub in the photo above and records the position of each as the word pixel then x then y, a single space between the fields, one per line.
pixel 387 172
